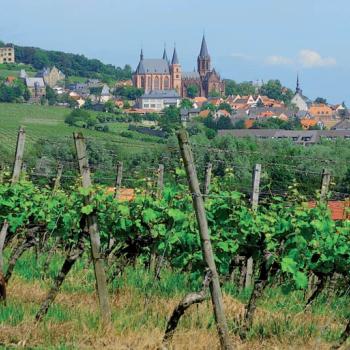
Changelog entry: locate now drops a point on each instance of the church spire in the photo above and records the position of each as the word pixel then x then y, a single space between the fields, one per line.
pixel 141 55
pixel 298 89
pixel 204 49
pixel 165 56
pixel 175 59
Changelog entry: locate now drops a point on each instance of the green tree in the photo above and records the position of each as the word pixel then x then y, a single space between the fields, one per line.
pixel 170 121
pixel 51 95
pixel 214 93
pixel 321 100
pixel 192 91
pixel 224 123
pixel 274 89
pixel 78 117
pixel 129 92
pixel 243 89
pixel 186 103
pixel 225 106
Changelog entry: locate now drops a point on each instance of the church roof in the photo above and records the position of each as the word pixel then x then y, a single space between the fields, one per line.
pixel 204 49
pixel 153 65
pixel 190 75
pixel 161 94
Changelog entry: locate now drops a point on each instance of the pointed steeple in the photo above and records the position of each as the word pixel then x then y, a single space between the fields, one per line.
pixel 165 56
pixel 298 90
pixel 141 55
pixel 204 49
pixel 175 59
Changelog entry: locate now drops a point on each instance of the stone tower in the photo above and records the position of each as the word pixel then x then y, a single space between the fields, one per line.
pixel 175 69
pixel 203 60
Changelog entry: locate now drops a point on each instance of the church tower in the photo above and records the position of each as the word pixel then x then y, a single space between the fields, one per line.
pixel 203 60
pixel 175 69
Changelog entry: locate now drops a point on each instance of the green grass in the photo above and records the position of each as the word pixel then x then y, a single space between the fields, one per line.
pixel 142 305
pixel 47 122
pixel 14 70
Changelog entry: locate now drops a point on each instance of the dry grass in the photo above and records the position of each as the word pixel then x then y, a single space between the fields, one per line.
pixel 138 323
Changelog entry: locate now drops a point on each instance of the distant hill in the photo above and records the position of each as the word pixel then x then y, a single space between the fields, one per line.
pixel 70 64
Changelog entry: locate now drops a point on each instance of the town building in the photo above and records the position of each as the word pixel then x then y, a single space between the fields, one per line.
pixel 36 87
pixel 157 100
pixel 162 74
pixel 7 54
pixel 51 76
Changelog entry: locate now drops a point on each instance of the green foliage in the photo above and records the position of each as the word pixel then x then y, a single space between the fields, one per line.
pixel 242 89
pixel 192 91
pixel 276 123
pixel 14 92
pixel 71 64
pixel 274 89
pixel 170 121
pixel 128 92
pixel 186 103
pixel 80 117
pixel 321 100
pixel 225 106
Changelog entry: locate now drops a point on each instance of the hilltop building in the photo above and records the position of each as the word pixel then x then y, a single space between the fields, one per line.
pixel 51 76
pixel 7 54
pixel 162 74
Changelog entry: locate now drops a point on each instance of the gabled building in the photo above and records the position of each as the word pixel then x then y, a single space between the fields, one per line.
pixel 36 87
pixel 299 100
pixel 51 76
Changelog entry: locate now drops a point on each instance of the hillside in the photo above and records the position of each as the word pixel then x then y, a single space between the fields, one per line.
pixel 47 122
pixel 70 64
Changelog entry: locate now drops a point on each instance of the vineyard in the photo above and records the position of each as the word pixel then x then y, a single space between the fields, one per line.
pixel 180 255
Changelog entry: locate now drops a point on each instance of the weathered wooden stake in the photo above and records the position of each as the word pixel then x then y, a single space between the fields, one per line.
pixel 2 170
pixel 57 183
pixel 3 234
pixel 207 250
pixel 254 199
pixel 326 180
pixel 118 179
pixel 101 282
pixel 208 170
pixel 17 166
pixel 160 180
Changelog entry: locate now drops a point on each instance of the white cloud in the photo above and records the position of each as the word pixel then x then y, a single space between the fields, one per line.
pixel 306 58
pixel 278 60
pixel 310 59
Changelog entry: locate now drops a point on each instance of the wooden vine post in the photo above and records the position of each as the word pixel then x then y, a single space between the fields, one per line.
pixel 118 179
pixel 207 180
pixel 57 183
pixel 254 200
pixel 17 166
pixel 160 180
pixel 208 255
pixel 326 180
pixel 101 282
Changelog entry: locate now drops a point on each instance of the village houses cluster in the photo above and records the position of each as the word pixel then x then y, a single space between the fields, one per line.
pixel 164 83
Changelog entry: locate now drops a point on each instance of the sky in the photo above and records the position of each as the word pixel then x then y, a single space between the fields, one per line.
pixel 247 40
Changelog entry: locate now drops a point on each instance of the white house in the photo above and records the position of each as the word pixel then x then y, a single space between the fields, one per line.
pixel 157 100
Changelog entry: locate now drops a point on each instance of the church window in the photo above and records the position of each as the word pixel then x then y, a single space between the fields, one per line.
pixel 156 83
pixel 149 83
pixel 166 83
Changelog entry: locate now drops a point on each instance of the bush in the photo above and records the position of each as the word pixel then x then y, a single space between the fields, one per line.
pixel 127 134
pixel 80 116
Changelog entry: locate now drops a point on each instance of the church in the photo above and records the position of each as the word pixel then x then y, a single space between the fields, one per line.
pixel 163 74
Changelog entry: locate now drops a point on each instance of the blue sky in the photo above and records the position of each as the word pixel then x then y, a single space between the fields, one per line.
pixel 247 40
